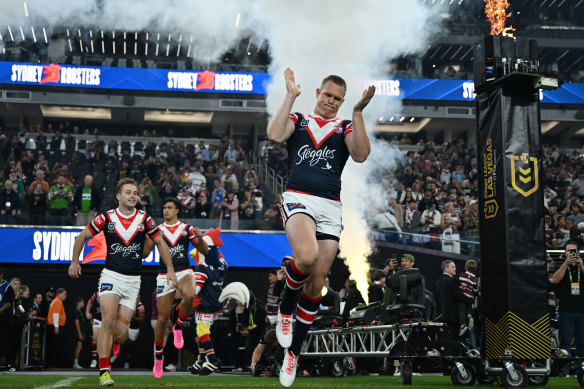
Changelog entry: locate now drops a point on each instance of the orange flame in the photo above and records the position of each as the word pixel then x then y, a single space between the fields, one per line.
pixel 496 11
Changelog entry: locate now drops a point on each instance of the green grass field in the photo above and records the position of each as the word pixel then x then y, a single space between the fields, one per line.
pixel 170 381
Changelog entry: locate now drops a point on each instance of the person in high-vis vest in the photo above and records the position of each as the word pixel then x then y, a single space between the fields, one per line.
pixel 56 319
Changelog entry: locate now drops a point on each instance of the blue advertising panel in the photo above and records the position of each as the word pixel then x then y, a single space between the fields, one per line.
pixel 54 75
pixel 55 246
pixel 133 79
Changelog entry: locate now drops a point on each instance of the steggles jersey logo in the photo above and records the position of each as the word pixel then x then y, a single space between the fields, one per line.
pixel 176 251
pixel 314 156
pixel 124 250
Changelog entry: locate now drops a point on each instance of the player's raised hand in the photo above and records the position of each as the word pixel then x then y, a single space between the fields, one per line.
pixel 74 270
pixel 291 85
pixel 365 99
pixel 198 233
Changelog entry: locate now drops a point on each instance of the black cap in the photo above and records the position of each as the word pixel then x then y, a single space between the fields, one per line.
pixel 50 289
pixel 287 258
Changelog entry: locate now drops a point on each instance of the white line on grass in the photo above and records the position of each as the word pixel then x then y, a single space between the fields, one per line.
pixel 60 384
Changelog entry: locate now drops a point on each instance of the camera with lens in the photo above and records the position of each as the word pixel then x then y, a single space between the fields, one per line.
pixel 239 327
pixel 7 205
pixel 259 368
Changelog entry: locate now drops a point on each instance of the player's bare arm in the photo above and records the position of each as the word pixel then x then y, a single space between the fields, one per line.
pixel 200 244
pixel 75 267
pixel 358 141
pixel 165 256
pixel 280 128
pixel 148 247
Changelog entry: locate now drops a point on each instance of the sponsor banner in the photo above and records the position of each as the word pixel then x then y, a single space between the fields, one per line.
pixel 513 265
pixel 55 75
pixel 55 246
pixel 133 79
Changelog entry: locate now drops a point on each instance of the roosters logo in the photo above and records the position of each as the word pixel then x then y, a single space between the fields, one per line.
pixel 51 73
pixel 206 80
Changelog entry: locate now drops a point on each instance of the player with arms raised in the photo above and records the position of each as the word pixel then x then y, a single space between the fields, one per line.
pixel 319 145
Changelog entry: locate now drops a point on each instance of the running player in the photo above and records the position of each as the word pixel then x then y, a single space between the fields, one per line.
pixel 93 305
pixel 177 236
pixel 125 230
pixel 319 145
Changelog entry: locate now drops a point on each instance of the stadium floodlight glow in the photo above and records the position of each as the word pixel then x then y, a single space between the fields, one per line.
pixel 114 46
pixel 21 33
pixel 70 45
pixel 412 119
pixel 402 118
pixel 190 46
pixel 179 43
pixel 391 119
pixel 92 50
pixel 33 34
pixel 380 119
pixel 101 31
pixel 81 45
pixel 25 9
pixel 237 20
pixel 0 36
pixel 10 32
pixel 178 116
pixel 135 48
pixel 102 47
pixel 45 34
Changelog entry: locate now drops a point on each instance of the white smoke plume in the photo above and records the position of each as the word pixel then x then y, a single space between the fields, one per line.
pixel 354 40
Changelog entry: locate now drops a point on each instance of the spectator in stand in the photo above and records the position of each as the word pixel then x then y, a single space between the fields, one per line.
pixel 59 197
pixel 230 154
pixel 578 185
pixel 87 201
pixel 149 188
pixel 211 176
pixel 249 177
pixel 375 291
pixel 17 184
pixel 385 221
pixel 230 208
pixel 577 217
pixel 404 140
pixel 248 206
pixel 563 227
pixel 273 300
pixel 237 190
pixel 551 242
pixel 471 227
pixel 217 198
pixel 228 178
pixel 412 217
pixel 196 177
pixel 448 295
pixel 430 221
pixel 202 206
pixel 259 196
pixel 273 215
pixel 423 204
pixel 187 200
pixel 9 204
pixel 450 224
pixel 167 191
pixel 143 199
pixel 398 210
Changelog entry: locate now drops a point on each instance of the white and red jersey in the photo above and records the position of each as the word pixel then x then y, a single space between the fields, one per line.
pixel 124 236
pixel 317 153
pixel 177 238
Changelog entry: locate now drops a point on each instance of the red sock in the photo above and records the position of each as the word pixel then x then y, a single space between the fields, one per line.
pixel 104 363
pixel 181 320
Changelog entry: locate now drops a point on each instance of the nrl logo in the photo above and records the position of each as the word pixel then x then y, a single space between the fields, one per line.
pixel 524 174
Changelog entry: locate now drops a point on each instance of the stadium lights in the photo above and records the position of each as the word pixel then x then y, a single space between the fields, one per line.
pixel 178 116
pixel 33 34
pixel 402 118
pixel 237 20
pixel 45 34
pixel 0 36
pixel 56 111
pixel 10 32
pixel 391 119
pixel 412 119
pixel 25 9
pixel 179 43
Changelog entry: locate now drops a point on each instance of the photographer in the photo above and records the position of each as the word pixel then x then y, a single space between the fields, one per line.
pixel 570 292
pixel 60 196
pixel 9 204
pixel 262 360
pixel 248 205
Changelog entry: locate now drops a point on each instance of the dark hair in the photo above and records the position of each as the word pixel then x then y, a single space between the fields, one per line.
pixel 173 200
pixel 471 266
pixel 377 275
pixel 574 242
pixel 78 299
pixel 336 80
pixel 59 291
pixel 274 272
pixel 125 181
